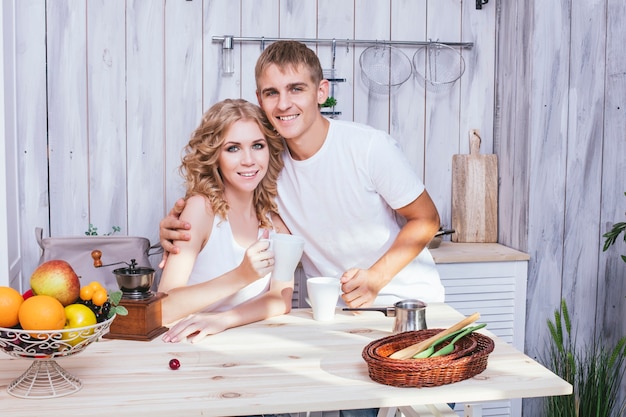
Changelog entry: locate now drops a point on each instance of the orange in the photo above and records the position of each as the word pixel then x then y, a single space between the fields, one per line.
pixel 10 302
pixel 95 286
pixel 42 312
pixel 86 292
pixel 99 297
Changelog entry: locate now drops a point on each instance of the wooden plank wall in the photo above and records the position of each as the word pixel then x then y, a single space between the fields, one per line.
pixel 561 97
pixel 108 93
pixel 111 92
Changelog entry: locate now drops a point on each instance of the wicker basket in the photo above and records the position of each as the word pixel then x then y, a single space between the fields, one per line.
pixel 468 359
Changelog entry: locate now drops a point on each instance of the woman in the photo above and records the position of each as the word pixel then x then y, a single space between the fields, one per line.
pixel 220 278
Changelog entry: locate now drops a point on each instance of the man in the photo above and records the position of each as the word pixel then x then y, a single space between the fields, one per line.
pixel 341 189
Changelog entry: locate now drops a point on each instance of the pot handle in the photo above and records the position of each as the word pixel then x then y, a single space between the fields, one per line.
pixel 387 311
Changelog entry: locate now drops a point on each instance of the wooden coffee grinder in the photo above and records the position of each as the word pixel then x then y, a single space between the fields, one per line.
pixel 143 321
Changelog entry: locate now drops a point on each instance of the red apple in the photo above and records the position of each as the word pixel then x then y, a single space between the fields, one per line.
pixel 27 294
pixel 57 279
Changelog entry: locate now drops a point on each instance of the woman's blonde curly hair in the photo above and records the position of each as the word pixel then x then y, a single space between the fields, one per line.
pixel 200 161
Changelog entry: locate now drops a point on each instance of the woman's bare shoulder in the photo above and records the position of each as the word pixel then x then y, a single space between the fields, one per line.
pixel 198 201
pixel 199 214
pixel 197 207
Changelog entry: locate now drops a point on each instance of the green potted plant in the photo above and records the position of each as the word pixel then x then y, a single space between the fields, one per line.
pixel 330 102
pixel 612 235
pixel 93 231
pixel 594 370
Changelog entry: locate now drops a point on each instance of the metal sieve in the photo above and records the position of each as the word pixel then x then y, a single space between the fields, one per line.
pixel 384 68
pixel 438 66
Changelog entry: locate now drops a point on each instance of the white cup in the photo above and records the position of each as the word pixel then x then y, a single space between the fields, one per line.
pixel 287 253
pixel 322 295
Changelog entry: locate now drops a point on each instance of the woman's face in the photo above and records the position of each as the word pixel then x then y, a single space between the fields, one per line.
pixel 244 156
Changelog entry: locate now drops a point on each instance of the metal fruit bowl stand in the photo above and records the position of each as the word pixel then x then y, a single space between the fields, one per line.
pixel 45 378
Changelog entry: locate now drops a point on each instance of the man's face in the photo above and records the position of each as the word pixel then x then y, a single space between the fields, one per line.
pixel 290 99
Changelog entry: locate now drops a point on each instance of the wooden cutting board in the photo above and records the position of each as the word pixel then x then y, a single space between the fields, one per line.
pixel 475 195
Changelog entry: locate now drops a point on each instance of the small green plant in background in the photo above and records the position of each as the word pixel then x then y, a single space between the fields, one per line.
pixel 330 102
pixel 594 370
pixel 612 235
pixel 93 230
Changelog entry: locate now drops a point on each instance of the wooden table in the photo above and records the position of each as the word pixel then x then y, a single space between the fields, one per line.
pixel 286 364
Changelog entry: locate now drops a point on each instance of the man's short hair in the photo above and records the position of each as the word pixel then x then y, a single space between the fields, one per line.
pixel 289 54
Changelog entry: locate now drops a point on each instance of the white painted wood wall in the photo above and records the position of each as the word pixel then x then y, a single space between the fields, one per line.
pixel 108 97
pixel 561 114
pixel 10 262
pixel 108 91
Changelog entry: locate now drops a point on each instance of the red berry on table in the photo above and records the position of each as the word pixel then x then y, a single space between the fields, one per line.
pixel 174 364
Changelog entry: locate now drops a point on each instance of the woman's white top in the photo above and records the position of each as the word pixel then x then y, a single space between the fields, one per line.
pixel 220 255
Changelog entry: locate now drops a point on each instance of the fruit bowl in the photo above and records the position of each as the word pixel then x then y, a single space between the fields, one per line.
pixel 45 378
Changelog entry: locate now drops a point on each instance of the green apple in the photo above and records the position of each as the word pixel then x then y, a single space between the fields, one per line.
pixel 57 279
pixel 78 315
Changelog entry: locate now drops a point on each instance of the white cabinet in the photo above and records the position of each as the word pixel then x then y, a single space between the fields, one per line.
pixel 490 279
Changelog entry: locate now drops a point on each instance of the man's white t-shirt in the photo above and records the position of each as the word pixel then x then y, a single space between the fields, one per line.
pixel 342 201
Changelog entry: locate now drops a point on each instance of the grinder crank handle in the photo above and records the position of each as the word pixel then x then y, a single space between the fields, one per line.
pixel 96 255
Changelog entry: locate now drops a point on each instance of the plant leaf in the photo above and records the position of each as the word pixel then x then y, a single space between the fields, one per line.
pixel 116 297
pixel 119 310
pixel 330 102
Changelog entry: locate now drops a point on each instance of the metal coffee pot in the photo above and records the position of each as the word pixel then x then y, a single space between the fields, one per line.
pixel 410 314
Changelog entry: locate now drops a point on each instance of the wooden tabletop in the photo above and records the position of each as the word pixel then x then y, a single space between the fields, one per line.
pixel 286 364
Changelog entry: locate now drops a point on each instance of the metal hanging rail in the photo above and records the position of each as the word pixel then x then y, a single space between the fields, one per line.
pixel 335 41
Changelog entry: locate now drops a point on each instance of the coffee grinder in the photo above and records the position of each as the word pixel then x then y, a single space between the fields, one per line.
pixel 143 321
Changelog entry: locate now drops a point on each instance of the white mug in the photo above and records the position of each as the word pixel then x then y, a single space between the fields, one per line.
pixel 287 253
pixel 322 296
